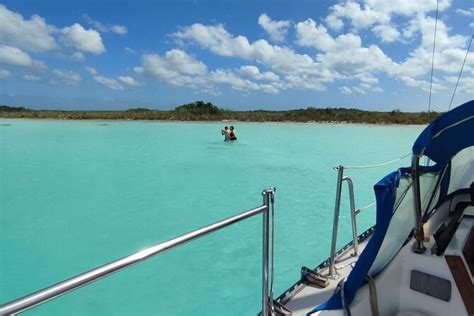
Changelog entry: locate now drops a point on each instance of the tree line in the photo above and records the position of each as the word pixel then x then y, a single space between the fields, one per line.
pixel 202 111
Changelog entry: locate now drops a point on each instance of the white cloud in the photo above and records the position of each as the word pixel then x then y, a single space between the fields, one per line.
pixel 466 84
pixel 78 56
pixel 16 57
pixel 66 76
pixel 114 84
pixel 334 22
pixel 342 57
pixel 210 91
pixel 424 26
pixel 468 12
pixel 299 70
pixel 364 88
pixel 13 56
pixel 229 78
pixel 407 7
pixel 337 49
pixel 31 78
pixel 178 68
pixel 216 39
pixel 311 35
pixel 269 88
pixel 386 32
pixel 129 81
pixel 171 66
pixel 254 73
pixel 129 50
pixel 373 12
pixel 422 84
pixel 91 70
pixel 366 78
pixel 303 82
pixel 4 73
pixel 378 14
pixel 449 54
pixel 108 82
pixel 359 90
pixel 221 42
pixel 285 60
pixel 349 57
pixel 345 90
pixel 33 35
pixel 117 29
pixel 345 56
pixel 360 18
pixel 276 29
pixel 236 82
pixel 79 38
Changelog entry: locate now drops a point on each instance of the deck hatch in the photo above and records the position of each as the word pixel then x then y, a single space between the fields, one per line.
pixel 430 285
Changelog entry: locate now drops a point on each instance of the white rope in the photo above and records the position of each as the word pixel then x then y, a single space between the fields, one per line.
pixel 366 207
pixel 375 165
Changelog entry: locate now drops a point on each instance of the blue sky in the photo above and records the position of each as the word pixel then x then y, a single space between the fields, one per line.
pixel 103 55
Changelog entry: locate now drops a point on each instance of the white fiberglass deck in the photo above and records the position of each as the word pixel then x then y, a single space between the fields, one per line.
pixel 394 295
pixel 310 296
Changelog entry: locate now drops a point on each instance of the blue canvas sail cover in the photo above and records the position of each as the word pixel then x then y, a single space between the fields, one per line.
pixel 447 135
pixel 440 141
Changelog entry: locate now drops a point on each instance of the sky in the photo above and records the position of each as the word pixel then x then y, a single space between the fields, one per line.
pixel 239 55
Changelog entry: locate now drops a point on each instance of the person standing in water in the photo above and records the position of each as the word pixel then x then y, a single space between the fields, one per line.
pixel 232 133
pixel 226 133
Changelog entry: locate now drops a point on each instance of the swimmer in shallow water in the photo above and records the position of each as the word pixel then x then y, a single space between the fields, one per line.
pixel 226 133
pixel 232 133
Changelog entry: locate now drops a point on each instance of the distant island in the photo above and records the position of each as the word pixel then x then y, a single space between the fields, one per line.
pixel 202 111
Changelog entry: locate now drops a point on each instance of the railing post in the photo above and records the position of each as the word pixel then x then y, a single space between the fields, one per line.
pixel 419 234
pixel 337 206
pixel 266 299
pixel 350 184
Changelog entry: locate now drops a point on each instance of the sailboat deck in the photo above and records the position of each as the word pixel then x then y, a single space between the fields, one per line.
pixel 308 296
pixel 395 291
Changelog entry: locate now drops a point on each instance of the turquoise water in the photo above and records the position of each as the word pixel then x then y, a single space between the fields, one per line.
pixel 75 195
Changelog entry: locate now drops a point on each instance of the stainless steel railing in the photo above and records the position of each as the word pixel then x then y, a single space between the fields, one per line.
pixel 354 212
pixel 61 288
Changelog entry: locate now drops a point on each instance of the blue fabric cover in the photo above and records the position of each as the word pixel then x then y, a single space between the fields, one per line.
pixel 458 126
pixel 385 192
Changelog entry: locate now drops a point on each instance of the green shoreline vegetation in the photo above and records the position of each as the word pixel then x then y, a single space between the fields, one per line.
pixel 201 111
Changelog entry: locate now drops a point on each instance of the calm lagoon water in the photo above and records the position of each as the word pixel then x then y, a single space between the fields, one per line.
pixel 75 195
